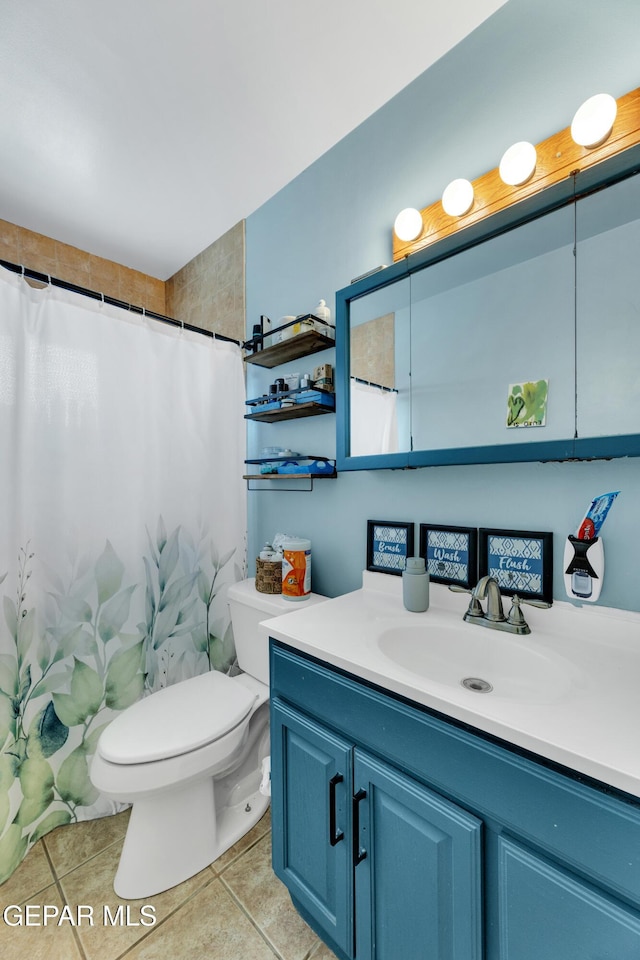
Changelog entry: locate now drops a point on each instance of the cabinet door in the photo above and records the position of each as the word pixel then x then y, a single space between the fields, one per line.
pixel 418 880
pixel 310 786
pixel 546 912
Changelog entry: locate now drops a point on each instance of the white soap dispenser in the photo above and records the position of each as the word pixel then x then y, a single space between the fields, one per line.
pixel 415 585
pixel 322 312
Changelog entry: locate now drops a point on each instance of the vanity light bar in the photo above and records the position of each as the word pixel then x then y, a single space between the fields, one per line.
pixel 601 128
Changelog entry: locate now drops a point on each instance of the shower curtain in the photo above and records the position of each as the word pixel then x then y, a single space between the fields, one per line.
pixel 374 419
pixel 122 522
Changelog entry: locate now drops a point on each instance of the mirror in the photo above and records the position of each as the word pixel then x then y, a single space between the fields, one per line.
pixel 380 366
pixel 501 345
pixel 608 308
pixel 492 336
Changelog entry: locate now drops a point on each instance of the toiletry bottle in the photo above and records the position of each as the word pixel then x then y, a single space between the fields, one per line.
pixel 322 311
pixel 257 337
pixel 415 585
pixel 296 569
pixel 267 340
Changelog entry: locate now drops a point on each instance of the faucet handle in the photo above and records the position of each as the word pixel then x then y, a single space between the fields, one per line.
pixel 542 604
pixel 516 616
pixel 475 607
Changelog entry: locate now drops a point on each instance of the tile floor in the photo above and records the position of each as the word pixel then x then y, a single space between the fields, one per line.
pixel 235 909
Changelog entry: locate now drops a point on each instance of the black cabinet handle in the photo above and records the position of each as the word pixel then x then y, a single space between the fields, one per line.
pixel 359 853
pixel 335 835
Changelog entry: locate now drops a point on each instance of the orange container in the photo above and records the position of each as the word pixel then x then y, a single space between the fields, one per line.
pixel 296 569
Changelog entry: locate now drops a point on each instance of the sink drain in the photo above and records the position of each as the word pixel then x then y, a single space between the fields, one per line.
pixel 476 685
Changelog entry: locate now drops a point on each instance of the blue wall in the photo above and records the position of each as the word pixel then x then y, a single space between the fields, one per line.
pixel 520 75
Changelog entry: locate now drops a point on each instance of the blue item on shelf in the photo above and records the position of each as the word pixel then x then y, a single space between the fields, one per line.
pixel 322 466
pixel 316 396
pixel 316 467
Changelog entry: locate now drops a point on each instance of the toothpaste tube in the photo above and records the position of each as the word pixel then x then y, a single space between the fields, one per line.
pixel 596 516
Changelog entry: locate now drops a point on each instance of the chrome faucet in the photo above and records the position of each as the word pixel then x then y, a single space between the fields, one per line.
pixel 488 588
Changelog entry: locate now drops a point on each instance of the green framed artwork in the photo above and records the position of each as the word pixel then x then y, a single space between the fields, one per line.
pixel 527 404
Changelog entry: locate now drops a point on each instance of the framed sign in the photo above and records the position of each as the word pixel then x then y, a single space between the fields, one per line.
pixel 450 553
pixel 520 560
pixel 389 543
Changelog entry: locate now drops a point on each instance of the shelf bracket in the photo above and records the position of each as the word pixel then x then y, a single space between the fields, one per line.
pixel 278 486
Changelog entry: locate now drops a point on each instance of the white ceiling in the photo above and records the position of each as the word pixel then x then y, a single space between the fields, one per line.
pixel 142 130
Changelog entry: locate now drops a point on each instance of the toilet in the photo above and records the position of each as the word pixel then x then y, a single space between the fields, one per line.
pixel 189 758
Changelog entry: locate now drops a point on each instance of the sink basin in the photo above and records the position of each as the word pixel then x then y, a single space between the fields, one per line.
pixel 567 692
pixel 511 667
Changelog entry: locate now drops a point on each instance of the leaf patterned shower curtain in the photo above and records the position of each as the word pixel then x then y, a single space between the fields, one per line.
pixel 122 521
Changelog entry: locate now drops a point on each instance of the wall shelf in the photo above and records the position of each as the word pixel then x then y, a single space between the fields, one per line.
pixel 289 476
pixel 310 409
pixel 311 341
pixel 279 477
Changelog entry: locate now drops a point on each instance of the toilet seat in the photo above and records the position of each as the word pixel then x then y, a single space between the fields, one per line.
pixel 177 719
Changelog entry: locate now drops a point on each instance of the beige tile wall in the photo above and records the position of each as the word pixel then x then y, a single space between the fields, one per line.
pixel 373 351
pixel 209 291
pixel 37 252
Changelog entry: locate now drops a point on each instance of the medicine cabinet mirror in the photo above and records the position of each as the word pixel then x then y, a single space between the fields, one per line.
pixel 516 340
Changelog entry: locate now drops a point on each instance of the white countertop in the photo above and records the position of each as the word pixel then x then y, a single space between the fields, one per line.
pixel 587 718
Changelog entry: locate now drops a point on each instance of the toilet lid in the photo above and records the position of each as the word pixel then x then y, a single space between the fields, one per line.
pixel 176 719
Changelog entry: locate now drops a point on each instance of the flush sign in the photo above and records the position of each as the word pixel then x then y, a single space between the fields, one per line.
pixel 521 562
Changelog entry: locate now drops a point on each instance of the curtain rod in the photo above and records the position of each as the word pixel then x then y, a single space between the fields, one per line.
pixel 94 295
pixel 378 386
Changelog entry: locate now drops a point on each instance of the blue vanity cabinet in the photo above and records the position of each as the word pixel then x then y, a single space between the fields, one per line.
pixel 311 803
pixel 418 869
pixel 439 843
pixel 349 825
pixel 545 911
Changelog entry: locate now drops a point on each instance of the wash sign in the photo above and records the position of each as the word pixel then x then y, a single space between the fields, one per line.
pixel 448 555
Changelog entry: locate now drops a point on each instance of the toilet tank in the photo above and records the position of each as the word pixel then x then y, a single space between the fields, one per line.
pixel 248 608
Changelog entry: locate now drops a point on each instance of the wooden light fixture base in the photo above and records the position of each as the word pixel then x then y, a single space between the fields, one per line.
pixel 558 157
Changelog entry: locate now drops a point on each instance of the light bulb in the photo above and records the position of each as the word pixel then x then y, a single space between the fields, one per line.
pixel 408 224
pixel 518 163
pixel 593 121
pixel 457 198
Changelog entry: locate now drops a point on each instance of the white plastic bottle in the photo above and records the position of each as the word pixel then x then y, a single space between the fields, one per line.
pixel 322 312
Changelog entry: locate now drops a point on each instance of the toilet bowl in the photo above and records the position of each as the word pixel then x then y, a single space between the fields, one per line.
pixel 189 759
